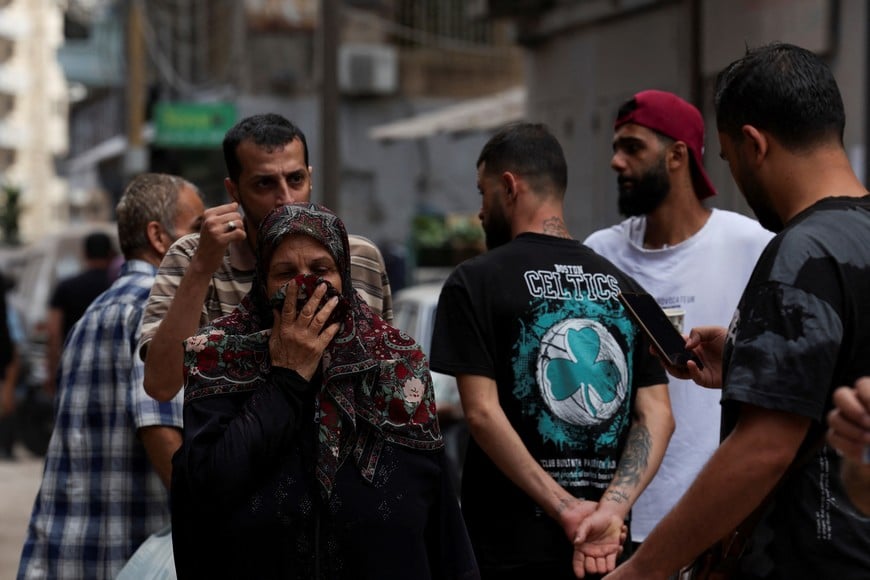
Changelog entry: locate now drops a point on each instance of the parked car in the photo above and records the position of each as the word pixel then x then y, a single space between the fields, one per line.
pixel 414 312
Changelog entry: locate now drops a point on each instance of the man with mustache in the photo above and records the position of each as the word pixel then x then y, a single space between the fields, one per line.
pixel 206 275
pixel 691 258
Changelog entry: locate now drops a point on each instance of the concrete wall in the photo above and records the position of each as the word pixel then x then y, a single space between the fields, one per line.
pixel 835 29
pixel 850 66
pixel 578 79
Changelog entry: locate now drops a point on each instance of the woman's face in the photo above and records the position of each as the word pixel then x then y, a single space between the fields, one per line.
pixel 300 254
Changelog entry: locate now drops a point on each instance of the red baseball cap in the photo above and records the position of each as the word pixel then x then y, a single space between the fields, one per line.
pixel 668 114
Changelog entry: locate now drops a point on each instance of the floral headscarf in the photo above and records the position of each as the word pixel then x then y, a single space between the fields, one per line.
pixel 311 220
pixel 372 372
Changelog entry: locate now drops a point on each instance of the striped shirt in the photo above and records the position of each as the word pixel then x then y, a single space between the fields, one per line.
pixel 229 285
pixel 100 498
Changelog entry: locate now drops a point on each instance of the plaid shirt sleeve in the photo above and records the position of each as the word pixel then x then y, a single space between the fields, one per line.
pixel 147 412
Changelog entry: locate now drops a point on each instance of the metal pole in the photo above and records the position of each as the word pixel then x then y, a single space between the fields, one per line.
pixel 239 52
pixel 135 158
pixel 329 170
pixel 696 77
pixel 864 173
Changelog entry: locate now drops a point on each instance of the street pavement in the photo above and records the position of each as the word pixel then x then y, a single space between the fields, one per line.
pixel 19 482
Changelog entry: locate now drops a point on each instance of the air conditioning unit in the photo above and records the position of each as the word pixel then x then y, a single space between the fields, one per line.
pixel 368 69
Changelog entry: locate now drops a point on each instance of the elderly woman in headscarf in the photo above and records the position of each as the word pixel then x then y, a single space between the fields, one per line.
pixel 311 444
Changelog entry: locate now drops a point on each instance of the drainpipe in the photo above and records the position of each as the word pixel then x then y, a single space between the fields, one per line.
pixel 696 78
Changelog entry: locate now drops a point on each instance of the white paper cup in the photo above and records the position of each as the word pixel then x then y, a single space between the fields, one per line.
pixel 676 316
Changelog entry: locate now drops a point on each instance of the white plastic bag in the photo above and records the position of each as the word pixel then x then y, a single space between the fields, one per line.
pixel 153 560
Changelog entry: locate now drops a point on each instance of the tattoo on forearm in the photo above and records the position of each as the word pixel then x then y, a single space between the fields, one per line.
pixel 554 226
pixel 616 496
pixel 632 464
pixel 564 504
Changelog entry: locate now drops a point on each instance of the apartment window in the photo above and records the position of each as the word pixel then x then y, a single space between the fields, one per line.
pixel 7 158
pixel 7 47
pixel 75 28
pixel 6 104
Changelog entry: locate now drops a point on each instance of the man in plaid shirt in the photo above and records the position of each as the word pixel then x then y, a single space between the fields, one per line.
pixel 100 498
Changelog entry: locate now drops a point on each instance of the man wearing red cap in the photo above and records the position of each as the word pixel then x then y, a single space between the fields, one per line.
pixel 771 490
pixel 694 260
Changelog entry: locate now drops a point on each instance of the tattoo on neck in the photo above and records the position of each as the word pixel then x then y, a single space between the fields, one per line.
pixel 554 226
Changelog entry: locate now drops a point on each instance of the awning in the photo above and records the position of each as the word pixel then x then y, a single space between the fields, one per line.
pixel 472 115
pixel 111 147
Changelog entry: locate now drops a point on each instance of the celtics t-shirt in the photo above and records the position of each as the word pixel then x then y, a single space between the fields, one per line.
pixel 540 316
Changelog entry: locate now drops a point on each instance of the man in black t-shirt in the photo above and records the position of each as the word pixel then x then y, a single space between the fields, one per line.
pixel 802 328
pixel 72 296
pixel 568 410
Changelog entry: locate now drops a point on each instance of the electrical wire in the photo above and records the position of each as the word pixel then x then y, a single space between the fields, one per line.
pixel 167 11
pixel 422 37
pixel 157 11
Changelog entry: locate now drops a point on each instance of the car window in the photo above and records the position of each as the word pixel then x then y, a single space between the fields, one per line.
pixel 427 328
pixel 405 317
pixel 400 316
pixel 27 288
pixel 416 317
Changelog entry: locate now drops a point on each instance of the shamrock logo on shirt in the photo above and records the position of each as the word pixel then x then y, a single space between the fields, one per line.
pixel 586 371
pixel 581 371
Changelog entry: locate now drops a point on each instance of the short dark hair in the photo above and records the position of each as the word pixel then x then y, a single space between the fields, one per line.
pixel 785 90
pixel 529 150
pixel 98 246
pixel 268 130
pixel 149 197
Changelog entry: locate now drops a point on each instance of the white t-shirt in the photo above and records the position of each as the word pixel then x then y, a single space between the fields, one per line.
pixel 705 275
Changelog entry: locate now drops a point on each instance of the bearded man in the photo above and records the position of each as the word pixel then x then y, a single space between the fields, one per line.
pixel 694 260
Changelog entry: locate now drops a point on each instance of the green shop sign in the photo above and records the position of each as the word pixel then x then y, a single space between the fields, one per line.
pixel 192 124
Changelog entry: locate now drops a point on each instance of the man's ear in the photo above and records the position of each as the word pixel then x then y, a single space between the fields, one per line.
pixel 232 189
pixel 510 182
pixel 678 154
pixel 757 142
pixel 157 238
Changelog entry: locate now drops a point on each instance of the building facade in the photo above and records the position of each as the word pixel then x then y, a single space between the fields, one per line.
pixel 395 58
pixel 33 115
